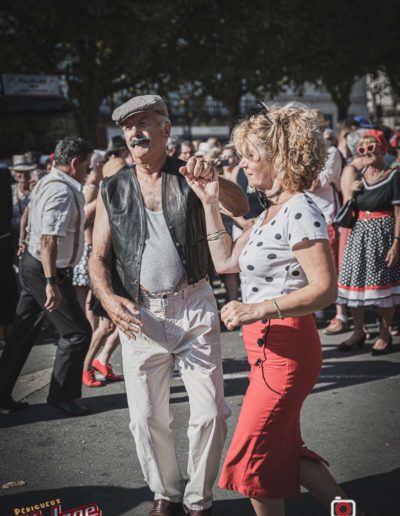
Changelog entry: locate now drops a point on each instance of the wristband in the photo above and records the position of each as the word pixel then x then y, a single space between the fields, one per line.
pixel 52 280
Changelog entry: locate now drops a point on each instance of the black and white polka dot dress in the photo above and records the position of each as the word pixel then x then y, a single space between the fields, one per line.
pixel 268 265
pixel 80 276
pixel 364 278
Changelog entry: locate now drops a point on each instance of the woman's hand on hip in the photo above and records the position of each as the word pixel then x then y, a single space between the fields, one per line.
pixel 235 314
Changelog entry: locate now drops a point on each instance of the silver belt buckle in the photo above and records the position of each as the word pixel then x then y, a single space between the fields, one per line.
pixel 157 295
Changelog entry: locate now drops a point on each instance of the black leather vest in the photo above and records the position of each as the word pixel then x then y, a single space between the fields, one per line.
pixel 183 213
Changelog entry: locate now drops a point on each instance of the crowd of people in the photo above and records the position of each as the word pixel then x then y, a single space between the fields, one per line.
pixel 85 230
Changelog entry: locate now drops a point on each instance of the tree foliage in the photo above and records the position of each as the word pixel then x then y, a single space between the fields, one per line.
pixel 199 47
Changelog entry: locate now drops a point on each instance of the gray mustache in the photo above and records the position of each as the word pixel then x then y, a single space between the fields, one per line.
pixel 138 141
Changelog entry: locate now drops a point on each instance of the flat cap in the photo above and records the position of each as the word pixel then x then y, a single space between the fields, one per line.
pixel 139 104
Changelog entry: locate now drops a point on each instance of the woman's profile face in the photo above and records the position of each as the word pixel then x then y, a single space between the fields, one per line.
pixel 370 151
pixel 257 165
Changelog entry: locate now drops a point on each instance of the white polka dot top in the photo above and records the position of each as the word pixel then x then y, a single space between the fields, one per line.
pixel 267 263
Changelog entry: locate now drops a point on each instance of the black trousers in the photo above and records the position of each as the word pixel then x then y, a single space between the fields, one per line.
pixel 68 320
pixel 8 282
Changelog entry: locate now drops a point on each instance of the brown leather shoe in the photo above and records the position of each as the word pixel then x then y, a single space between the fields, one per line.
pixel 165 508
pixel 193 512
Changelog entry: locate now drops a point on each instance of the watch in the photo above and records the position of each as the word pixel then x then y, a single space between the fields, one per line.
pixel 51 280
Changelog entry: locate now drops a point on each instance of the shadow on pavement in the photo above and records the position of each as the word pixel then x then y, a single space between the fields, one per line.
pixel 232 365
pixel 344 374
pixel 112 500
pixel 376 494
pixel 44 412
pixel 334 375
pixel 330 351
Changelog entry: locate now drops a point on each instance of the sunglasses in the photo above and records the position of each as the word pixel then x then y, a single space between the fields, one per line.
pixel 366 149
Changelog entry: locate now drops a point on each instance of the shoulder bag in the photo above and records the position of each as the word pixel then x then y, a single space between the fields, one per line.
pixel 347 215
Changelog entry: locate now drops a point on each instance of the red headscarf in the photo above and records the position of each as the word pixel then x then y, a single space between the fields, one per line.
pixel 378 136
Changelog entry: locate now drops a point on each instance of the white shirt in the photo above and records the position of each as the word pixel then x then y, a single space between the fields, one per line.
pixel 53 211
pixel 268 265
pixel 326 196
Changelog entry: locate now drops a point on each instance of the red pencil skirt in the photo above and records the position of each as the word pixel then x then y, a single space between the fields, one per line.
pixel 263 459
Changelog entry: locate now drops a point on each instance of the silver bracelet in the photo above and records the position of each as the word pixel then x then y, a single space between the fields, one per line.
pixel 215 232
pixel 216 236
pixel 278 310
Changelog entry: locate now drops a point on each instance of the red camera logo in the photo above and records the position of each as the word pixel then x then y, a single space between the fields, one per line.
pixel 340 507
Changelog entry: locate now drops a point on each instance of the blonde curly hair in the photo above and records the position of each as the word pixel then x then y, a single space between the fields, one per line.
pixel 291 137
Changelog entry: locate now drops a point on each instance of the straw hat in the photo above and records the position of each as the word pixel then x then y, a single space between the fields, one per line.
pixel 23 162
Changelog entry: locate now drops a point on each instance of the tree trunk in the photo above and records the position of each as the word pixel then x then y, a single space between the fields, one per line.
pixel 393 73
pixel 87 118
pixel 340 93
pixel 87 112
pixel 232 102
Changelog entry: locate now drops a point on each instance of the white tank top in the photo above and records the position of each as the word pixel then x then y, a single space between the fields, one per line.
pixel 161 268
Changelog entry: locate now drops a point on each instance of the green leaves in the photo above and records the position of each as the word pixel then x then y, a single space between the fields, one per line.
pixel 199 47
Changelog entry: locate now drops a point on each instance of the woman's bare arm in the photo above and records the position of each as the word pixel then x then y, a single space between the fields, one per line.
pixel 349 175
pixel 392 256
pixel 315 258
pixel 224 252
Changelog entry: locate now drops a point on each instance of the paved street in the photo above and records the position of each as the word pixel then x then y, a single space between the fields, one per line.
pixel 352 418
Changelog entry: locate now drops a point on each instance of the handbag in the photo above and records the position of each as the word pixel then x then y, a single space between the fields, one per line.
pixel 347 215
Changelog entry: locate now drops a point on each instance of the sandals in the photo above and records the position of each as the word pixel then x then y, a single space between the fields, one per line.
pixel 345 346
pixel 335 327
pixel 383 351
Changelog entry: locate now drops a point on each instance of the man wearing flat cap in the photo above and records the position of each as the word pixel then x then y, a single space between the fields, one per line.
pixel 149 270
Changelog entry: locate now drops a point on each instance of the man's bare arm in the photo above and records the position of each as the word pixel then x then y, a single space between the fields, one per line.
pixel 23 223
pixel 48 256
pixel 100 259
pixel 90 213
pixel 232 198
pixel 120 309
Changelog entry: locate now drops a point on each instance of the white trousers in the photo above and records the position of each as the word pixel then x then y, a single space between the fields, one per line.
pixel 181 330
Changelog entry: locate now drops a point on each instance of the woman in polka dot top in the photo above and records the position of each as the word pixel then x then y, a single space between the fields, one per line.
pixel 288 273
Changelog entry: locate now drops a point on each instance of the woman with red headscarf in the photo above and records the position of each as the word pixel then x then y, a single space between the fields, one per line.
pixel 370 273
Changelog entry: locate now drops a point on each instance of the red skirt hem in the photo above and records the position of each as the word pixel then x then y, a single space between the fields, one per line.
pixel 266 493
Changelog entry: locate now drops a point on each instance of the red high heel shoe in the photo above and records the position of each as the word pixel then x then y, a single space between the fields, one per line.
pixel 89 379
pixel 106 371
